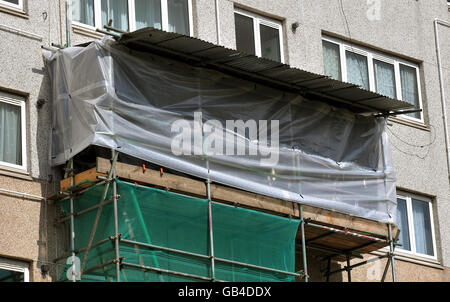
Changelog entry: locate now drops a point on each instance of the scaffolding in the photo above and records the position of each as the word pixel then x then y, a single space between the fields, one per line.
pixel 76 189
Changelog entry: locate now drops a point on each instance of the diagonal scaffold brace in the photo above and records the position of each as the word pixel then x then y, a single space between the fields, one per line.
pixel 109 179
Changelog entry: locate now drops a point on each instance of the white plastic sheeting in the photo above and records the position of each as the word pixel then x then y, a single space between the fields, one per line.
pixel 107 95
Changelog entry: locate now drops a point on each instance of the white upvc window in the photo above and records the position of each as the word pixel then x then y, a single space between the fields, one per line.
pixel 374 71
pixel 131 15
pixel 260 36
pixel 14 271
pixel 12 132
pixel 13 3
pixel 416 224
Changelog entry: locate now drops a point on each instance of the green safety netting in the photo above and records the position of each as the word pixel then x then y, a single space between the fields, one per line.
pixel 180 222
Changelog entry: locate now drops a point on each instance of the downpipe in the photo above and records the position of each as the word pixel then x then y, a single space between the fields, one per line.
pixel 442 89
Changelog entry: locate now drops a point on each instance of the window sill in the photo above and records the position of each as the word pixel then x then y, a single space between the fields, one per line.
pixel 17 173
pixel 408 122
pixel 13 11
pixel 81 30
pixel 412 259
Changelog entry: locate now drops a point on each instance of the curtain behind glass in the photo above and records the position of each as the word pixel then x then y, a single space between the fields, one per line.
pixel 117 10
pixel 384 78
pixel 332 60
pixel 148 13
pixel 83 11
pixel 10 134
pixel 270 43
pixel 357 69
pixel 422 227
pixel 410 89
pixel 178 11
pixel 403 225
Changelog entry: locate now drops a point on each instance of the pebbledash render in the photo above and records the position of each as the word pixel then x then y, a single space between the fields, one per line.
pixel 400 49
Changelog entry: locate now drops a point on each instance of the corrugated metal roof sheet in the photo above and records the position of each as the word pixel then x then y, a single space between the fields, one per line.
pixel 261 70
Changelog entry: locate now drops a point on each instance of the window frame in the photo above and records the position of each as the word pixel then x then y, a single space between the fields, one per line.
pixel 20 102
pixel 9 4
pixel 371 55
pixel 261 20
pixel 412 238
pixel 16 266
pixel 132 17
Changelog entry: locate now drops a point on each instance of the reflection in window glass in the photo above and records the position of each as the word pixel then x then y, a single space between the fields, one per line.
pixel 245 39
pixel 10 134
pixel 270 43
pixel 11 276
pixel 403 225
pixel 83 11
pixel 410 89
pixel 332 60
pixel 178 11
pixel 117 11
pixel 12 1
pixel 384 78
pixel 357 70
pixel 148 13
pixel 422 227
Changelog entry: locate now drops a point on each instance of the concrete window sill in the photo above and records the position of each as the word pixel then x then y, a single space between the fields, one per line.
pixel 81 30
pixel 8 171
pixel 407 122
pixel 411 258
pixel 13 11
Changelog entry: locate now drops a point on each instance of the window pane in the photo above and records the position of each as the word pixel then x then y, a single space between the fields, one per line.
pixel 357 71
pixel 178 16
pixel 12 1
pixel 83 11
pixel 245 34
pixel 10 134
pixel 270 43
pixel 410 89
pixel 422 227
pixel 384 78
pixel 332 60
pixel 117 11
pixel 403 225
pixel 10 276
pixel 148 13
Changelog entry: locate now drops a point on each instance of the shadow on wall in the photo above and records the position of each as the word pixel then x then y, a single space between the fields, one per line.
pixel 51 236
pixel 317 267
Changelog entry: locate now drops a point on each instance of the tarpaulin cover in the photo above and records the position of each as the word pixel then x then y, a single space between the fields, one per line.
pixel 180 222
pixel 108 95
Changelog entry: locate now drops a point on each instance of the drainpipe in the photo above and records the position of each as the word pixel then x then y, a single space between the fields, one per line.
pixel 441 81
pixel 218 23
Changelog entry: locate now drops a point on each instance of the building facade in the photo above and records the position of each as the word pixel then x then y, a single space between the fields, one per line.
pixel 385 46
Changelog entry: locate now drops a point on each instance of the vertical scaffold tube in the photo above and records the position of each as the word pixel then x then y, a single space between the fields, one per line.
pixel 116 222
pixel 391 249
pixel 210 222
pixel 305 264
pixel 72 222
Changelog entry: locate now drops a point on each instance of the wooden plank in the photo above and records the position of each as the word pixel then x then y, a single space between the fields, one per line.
pixel 88 175
pixel 346 221
pixel 187 185
pixel 218 192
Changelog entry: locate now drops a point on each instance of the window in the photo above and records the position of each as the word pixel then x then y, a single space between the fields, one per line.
pixel 13 271
pixel 130 15
pixel 12 131
pixel 258 36
pixel 415 221
pixel 13 3
pixel 373 71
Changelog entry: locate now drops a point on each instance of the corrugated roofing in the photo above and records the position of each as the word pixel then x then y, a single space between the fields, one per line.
pixel 262 70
